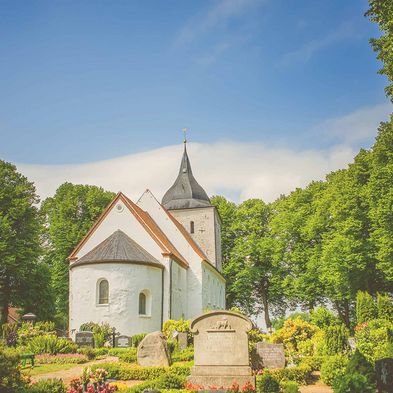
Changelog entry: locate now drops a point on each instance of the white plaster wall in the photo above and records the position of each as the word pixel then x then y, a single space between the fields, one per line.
pixel 125 221
pixel 213 289
pixel 217 227
pixel 205 233
pixel 126 281
pixel 179 292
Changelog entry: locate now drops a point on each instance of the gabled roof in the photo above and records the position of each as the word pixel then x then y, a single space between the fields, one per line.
pixel 185 192
pixel 145 220
pixel 118 247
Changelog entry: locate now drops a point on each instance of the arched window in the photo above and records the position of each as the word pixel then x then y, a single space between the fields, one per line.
pixel 192 227
pixel 142 304
pixel 103 292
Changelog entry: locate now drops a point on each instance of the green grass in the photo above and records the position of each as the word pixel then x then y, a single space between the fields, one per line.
pixel 47 368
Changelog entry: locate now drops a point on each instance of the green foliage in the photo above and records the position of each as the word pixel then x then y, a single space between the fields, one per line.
pixel 336 338
pixel 128 356
pixel 353 383
pixel 69 214
pixel 323 318
pixel 11 379
pixel 290 387
pixel 267 383
pixel 359 364
pixel 170 381
pixel 384 307
pixel 278 323
pixel 300 374
pixel 20 229
pixel 76 358
pixel 102 332
pixel 51 344
pixel 10 333
pixel 186 354
pixel 374 339
pixel 89 352
pixel 366 308
pixel 170 326
pixel 27 331
pixel 48 386
pixel 333 367
pixel 137 338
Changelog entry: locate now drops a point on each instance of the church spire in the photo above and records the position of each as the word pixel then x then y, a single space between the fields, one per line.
pixel 185 191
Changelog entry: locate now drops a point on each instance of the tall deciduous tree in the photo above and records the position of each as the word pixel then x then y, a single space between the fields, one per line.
pixel 69 214
pixel 19 237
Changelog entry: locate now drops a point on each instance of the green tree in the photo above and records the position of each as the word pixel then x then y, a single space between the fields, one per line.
pixel 381 12
pixel 69 214
pixel 20 230
pixel 366 309
pixel 385 307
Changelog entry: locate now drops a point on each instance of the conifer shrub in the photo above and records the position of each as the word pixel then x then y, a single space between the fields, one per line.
pixel 384 307
pixel 336 338
pixel 137 338
pixel 366 308
pixel 267 383
pixel 333 367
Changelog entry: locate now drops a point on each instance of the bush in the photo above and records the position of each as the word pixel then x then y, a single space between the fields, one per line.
pixel 359 364
pixel 11 379
pixel 170 381
pixel 365 307
pixel 374 339
pixel 181 325
pixel 300 374
pixel 323 318
pixel 267 383
pixel 333 367
pixel 48 386
pixel 183 356
pixel 384 307
pixel 290 387
pixel 10 334
pixel 137 338
pixel 101 332
pixel 336 338
pixel 313 362
pixel 51 344
pixel 353 383
pixel 76 358
pixel 124 372
pixel 89 352
pixel 128 356
pixel 28 331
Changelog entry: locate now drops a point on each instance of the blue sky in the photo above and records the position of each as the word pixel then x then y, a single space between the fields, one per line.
pixel 85 81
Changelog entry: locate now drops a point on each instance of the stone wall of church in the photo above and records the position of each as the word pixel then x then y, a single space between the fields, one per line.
pixel 205 230
pixel 213 289
pixel 126 282
pixel 179 292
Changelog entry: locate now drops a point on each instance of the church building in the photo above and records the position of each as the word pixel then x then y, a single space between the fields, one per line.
pixel 143 263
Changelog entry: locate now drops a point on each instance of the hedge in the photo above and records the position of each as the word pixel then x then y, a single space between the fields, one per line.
pixel 300 374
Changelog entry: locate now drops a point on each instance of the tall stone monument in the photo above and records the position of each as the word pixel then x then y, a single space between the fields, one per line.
pixel 221 349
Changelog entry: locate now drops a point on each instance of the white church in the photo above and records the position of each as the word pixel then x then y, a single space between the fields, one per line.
pixel 143 263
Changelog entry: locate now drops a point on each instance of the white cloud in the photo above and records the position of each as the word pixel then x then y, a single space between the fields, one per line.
pixel 216 16
pixel 226 168
pixel 357 126
pixel 306 51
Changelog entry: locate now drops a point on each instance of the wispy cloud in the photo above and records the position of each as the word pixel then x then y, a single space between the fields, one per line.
pixel 244 170
pixel 306 51
pixel 217 16
pixel 358 126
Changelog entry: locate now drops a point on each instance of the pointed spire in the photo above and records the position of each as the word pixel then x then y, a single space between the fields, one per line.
pixel 185 191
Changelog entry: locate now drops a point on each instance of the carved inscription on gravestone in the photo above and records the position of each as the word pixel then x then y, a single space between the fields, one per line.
pixel 123 342
pixel 84 339
pixel 221 349
pixel 271 355
pixel 384 373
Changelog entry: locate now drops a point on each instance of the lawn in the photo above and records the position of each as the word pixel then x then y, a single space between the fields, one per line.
pixel 47 368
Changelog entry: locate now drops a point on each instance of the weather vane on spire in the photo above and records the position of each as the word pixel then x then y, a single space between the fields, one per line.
pixel 185 134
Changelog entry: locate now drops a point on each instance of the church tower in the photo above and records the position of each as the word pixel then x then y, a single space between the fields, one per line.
pixel 189 204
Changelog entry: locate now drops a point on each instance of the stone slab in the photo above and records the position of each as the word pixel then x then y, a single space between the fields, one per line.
pixel 384 373
pixel 271 355
pixel 123 342
pixel 84 339
pixel 153 351
pixel 182 340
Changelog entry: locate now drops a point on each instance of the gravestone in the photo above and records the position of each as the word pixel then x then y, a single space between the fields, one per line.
pixel 384 373
pixel 123 342
pixel 84 339
pixel 182 340
pixel 271 355
pixel 221 349
pixel 153 351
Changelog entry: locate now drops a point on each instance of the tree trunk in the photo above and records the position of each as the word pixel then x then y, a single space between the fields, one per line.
pixel 265 306
pixel 4 304
pixel 343 312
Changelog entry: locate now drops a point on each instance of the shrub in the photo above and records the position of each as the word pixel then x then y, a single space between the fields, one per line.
pixel 89 352
pixel 137 338
pixel 365 307
pixel 336 339
pixel 50 344
pixel 182 325
pixel 267 383
pixel 170 381
pixel 76 358
pixel 182 356
pixel 300 374
pixel 374 339
pixel 124 372
pixel 384 307
pixel 48 386
pixel 10 334
pixel 128 356
pixel 333 367
pixel 101 332
pixel 323 318
pixel 290 387
pixel 353 383
pixel 313 362
pixel 358 364
pixel 11 379
pixel 28 331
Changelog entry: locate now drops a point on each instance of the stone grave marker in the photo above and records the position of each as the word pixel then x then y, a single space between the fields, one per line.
pixel 84 339
pixel 153 351
pixel 123 342
pixel 271 355
pixel 221 349
pixel 384 373
pixel 182 340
